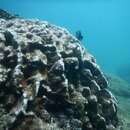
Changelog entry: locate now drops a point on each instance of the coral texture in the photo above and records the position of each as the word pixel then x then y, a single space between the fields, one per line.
pixel 48 81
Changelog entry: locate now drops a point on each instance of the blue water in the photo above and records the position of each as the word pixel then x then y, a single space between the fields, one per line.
pixel 105 25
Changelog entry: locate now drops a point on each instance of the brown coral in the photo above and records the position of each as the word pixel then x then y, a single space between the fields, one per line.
pixel 47 79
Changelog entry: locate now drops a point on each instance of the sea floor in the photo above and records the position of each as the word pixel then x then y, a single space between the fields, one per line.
pixel 121 89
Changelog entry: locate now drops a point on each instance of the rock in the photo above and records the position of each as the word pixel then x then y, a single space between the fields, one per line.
pixel 93 67
pixel 92 104
pixel 86 92
pixel 101 123
pixel 2 37
pixel 101 81
pixel 71 62
pixel 49 81
pixel 95 88
pixel 87 126
pixel 110 127
pixel 87 73
pixel 76 123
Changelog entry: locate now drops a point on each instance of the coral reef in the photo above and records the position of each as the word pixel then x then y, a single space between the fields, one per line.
pixel 49 81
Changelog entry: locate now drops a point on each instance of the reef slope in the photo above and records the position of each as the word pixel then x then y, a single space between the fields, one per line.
pixel 121 90
pixel 49 81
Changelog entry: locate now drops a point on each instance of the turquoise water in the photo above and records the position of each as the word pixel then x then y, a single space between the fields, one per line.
pixel 105 25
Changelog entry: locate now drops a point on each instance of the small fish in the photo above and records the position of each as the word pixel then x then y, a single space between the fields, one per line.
pixel 78 35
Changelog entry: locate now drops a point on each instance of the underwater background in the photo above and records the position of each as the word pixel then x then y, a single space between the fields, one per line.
pixel 105 26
